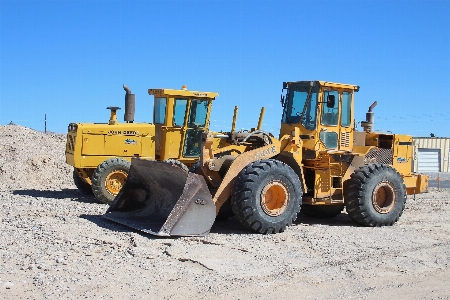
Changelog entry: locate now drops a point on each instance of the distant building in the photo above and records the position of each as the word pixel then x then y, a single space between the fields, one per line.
pixel 431 154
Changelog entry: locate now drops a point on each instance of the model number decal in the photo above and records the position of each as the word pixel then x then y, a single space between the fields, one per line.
pixel 266 152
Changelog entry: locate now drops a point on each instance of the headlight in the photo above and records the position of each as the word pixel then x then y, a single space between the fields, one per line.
pixel 72 127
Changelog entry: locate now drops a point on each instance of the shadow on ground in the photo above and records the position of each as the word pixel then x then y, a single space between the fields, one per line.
pixel 73 194
pixel 232 225
pixel 100 221
pixel 340 220
pixel 229 226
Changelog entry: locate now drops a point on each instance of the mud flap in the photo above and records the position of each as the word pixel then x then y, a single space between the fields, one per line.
pixel 162 199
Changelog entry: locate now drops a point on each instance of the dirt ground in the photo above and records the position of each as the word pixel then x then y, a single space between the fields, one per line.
pixel 55 244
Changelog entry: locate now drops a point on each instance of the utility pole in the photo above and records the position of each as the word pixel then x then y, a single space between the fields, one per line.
pixel 45 123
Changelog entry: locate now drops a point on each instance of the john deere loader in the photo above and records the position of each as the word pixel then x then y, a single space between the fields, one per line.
pixel 319 164
pixel 101 153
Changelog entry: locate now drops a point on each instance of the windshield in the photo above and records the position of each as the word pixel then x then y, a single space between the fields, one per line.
pixel 299 102
pixel 198 113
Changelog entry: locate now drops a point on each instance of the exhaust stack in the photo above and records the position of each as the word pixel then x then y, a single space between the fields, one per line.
pixel 129 105
pixel 368 124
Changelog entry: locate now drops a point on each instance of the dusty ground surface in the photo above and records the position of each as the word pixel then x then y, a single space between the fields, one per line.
pixel 54 244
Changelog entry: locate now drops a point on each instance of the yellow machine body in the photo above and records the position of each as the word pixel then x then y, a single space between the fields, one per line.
pixel 89 144
pixel 333 148
pixel 179 118
pixel 320 164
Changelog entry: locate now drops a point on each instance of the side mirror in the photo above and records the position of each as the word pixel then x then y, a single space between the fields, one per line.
pixel 284 92
pixel 331 101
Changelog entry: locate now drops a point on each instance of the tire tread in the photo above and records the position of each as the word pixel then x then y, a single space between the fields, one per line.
pixel 357 195
pixel 243 192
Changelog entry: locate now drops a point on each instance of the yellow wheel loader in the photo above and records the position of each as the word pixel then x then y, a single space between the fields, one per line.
pixel 320 164
pixel 101 153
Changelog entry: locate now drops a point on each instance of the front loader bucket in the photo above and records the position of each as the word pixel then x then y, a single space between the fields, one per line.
pixel 162 199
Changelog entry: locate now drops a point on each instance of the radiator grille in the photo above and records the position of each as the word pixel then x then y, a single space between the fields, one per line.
pixel 379 155
pixel 345 139
pixel 70 143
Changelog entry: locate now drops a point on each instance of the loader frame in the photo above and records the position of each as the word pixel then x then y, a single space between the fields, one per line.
pixel 319 164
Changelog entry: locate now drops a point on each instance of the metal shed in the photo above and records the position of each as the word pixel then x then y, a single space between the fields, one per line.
pixel 431 154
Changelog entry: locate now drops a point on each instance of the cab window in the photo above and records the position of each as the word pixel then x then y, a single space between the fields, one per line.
pixel 159 112
pixel 346 116
pixel 301 106
pixel 330 108
pixel 179 112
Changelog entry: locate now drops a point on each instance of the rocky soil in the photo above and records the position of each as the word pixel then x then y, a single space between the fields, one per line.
pixel 55 244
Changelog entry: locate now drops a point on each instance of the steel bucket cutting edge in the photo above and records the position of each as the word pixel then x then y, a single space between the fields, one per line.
pixel 162 199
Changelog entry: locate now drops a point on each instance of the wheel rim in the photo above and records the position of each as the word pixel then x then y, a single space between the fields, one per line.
pixel 384 197
pixel 274 198
pixel 115 181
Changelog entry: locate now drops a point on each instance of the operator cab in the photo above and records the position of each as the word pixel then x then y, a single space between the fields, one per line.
pixel 182 116
pixel 322 111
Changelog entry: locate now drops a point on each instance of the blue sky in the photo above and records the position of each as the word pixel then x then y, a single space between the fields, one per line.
pixel 69 59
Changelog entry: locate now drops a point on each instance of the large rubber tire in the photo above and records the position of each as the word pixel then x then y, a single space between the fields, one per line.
pixel 266 196
pixel 322 211
pixel 375 195
pixel 108 179
pixel 82 185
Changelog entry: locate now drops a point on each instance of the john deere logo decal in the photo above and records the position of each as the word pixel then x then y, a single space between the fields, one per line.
pixel 130 142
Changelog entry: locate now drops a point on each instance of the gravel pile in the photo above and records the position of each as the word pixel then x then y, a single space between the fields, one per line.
pixel 31 159
pixel 55 244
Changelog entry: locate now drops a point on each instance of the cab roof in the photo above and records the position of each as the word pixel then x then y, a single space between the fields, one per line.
pixel 183 93
pixel 325 83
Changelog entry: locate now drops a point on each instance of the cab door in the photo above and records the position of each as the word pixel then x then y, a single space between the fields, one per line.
pixel 172 134
pixel 196 124
pixel 336 120
pixel 329 119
